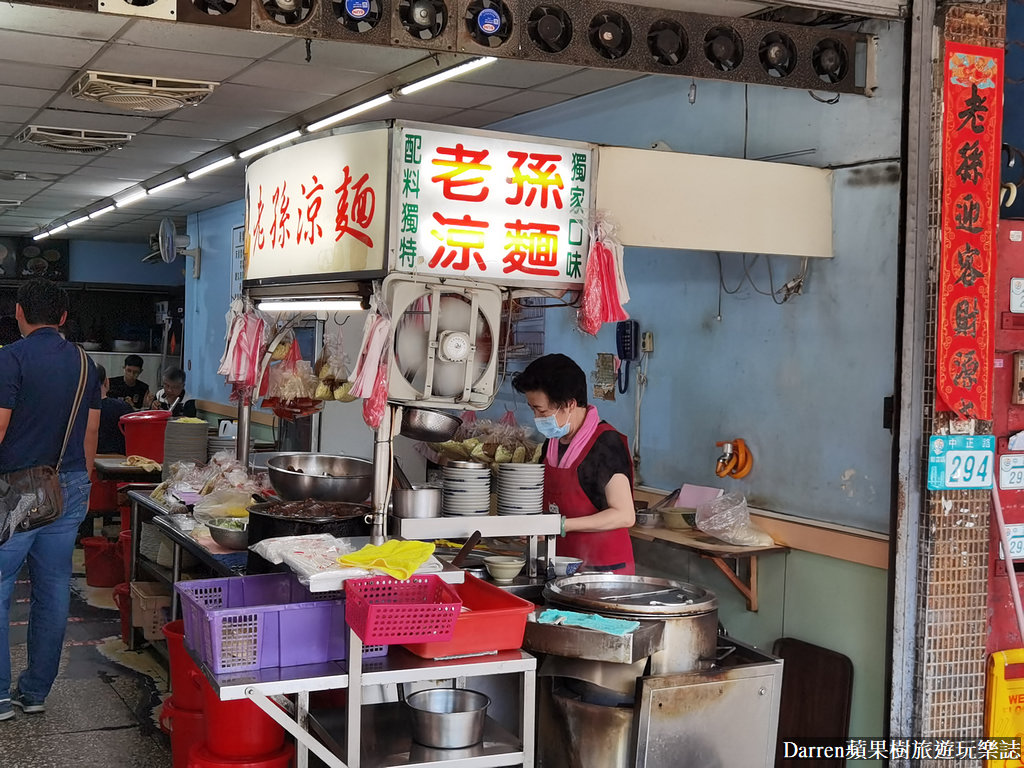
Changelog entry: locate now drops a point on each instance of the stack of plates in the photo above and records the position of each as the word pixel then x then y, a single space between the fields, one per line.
pixel 184 441
pixel 467 489
pixel 520 489
pixel 216 444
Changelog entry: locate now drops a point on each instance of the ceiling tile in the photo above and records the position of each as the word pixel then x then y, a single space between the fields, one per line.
pixel 308 78
pixel 92 121
pixel 427 113
pixel 350 56
pixel 283 100
pixel 209 130
pixel 199 38
pixel 589 80
pixel 477 118
pixel 161 62
pixel 518 74
pixel 83 25
pixel 18 115
pixel 12 96
pixel 525 101
pixel 458 95
pixel 34 75
pixel 46 49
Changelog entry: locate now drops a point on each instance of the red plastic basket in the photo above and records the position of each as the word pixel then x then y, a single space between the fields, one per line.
pixel 382 610
pixel 491 620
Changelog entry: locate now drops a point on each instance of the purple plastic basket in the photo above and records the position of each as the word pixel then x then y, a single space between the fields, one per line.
pixel 266 620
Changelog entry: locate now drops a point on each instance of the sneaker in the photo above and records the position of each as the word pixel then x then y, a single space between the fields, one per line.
pixel 6 713
pixel 26 705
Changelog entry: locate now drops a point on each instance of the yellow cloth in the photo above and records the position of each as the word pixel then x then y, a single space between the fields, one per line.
pixel 395 557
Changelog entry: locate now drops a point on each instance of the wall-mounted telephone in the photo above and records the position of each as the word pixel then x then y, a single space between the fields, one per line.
pixel 627 345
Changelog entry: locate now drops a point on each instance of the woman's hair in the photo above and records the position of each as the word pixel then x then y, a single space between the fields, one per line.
pixel 557 376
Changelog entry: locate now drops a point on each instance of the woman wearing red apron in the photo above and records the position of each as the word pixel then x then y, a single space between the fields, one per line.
pixel 588 471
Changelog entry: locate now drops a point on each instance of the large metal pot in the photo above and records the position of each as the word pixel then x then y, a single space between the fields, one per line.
pixel 321 476
pixel 267 521
pixel 688 613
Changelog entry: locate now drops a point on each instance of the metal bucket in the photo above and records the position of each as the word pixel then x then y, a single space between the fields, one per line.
pixel 448 718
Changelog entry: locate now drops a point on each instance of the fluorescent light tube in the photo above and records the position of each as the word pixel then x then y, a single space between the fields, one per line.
pixel 168 185
pixel 61 228
pixel 130 199
pixel 76 222
pixel 310 305
pixel 40 236
pixel 268 144
pixel 211 167
pixel 345 114
pixel 101 211
pixel 447 74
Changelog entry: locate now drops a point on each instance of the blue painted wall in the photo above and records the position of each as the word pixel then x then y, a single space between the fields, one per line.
pixel 99 262
pixel 207 299
pixel 803 382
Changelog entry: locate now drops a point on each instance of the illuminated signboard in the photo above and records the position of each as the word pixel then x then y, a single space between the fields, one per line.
pixel 318 208
pixel 489 206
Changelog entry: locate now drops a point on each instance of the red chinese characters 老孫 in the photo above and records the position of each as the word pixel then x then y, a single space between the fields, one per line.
pixel 972 113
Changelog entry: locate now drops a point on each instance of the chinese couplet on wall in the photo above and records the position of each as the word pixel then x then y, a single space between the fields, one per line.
pixel 971 136
pixel 490 207
pixel 318 207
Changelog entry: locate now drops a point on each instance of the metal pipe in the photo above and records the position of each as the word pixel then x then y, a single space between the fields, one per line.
pixel 242 433
pixel 1011 572
pixel 383 462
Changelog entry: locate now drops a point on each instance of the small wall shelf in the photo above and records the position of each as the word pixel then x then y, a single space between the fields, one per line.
pixel 741 571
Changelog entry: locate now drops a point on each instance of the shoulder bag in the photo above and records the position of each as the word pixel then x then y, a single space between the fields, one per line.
pixel 31 498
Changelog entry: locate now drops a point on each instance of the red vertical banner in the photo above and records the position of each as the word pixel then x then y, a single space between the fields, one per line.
pixel 972 115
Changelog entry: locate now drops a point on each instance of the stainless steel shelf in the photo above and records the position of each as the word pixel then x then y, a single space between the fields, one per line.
pixel 399 666
pixel 155 570
pixel 463 527
pixel 385 740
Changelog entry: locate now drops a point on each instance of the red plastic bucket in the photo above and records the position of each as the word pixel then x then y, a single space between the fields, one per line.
pixel 237 730
pixel 123 601
pixel 124 541
pixel 186 693
pixel 186 730
pixel 103 564
pixel 202 757
pixel 103 496
pixel 144 433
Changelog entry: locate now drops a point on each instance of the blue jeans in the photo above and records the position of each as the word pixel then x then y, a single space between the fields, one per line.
pixel 48 552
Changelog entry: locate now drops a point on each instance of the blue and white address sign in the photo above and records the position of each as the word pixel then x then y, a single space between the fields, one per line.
pixel 961 462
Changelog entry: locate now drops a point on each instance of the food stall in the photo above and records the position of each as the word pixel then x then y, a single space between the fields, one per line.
pixel 436 286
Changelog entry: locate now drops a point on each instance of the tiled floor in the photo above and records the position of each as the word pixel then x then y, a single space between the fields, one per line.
pixel 101 711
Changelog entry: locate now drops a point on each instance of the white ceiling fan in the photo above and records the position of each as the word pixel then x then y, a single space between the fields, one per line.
pixel 167 245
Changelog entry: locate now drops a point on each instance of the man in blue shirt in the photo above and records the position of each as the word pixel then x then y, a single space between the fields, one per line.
pixel 38 379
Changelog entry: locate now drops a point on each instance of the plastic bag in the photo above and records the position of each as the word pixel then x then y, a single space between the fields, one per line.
pixel 727 518
pixel 226 502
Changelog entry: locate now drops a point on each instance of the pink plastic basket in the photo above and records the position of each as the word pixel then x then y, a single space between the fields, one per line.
pixel 383 610
pixel 267 620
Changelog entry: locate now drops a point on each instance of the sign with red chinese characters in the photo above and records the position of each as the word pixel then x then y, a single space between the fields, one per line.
pixel 971 135
pixel 490 206
pixel 318 208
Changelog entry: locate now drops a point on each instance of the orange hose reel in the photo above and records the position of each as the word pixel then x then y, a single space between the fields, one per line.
pixel 736 460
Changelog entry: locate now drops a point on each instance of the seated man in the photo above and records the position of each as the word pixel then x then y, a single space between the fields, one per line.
pixel 172 396
pixel 128 387
pixel 111 439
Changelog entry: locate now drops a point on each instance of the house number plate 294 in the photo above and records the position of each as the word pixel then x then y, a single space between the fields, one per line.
pixel 961 462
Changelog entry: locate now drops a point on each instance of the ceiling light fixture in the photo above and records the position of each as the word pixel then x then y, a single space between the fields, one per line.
pixel 76 222
pixel 211 168
pixel 345 114
pixel 268 144
pixel 41 236
pixel 167 185
pixel 55 230
pixel 101 211
pixel 350 304
pixel 130 199
pixel 447 74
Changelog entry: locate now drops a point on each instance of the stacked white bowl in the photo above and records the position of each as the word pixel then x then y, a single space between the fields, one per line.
pixel 520 489
pixel 466 489
pixel 184 441
pixel 217 443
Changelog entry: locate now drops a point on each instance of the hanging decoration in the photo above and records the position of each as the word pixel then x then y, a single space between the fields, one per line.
pixel 971 135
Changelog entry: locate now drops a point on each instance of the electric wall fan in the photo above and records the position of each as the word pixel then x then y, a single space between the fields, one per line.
pixel 444 342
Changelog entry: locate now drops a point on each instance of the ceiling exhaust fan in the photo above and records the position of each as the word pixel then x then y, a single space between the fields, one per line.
pixel 167 245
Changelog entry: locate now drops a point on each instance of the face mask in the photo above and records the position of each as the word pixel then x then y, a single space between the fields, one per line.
pixel 548 426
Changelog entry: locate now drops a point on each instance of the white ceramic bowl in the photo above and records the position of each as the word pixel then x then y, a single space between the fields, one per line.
pixel 504 569
pixel 565 566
